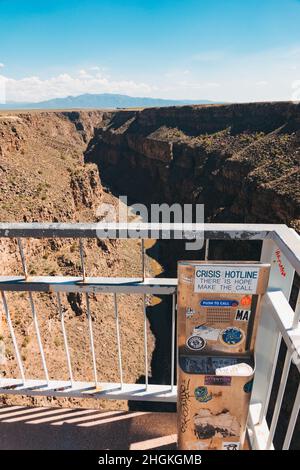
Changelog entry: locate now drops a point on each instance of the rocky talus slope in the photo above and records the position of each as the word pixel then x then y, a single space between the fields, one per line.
pixel 43 177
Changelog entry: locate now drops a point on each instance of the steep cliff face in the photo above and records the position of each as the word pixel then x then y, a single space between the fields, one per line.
pixel 42 171
pixel 241 161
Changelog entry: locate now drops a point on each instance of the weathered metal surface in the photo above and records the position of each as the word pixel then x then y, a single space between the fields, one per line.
pixel 112 391
pixel 137 230
pixel 99 285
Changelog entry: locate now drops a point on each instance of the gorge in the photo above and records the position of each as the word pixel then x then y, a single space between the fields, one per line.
pixel 241 161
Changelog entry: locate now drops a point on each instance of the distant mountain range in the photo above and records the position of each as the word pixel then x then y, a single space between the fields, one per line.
pixel 103 100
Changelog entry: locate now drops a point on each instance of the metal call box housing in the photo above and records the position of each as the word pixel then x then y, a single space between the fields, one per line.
pixel 218 313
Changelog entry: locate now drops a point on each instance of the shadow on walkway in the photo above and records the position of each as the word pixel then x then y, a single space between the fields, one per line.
pixel 71 429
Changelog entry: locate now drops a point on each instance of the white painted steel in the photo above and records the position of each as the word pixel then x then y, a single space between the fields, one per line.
pixel 62 320
pixel 297 312
pixel 143 259
pixel 281 390
pixel 13 336
pixel 259 431
pixel 206 255
pixel 105 390
pixel 278 307
pixel 292 422
pixel 269 337
pixel 91 335
pixel 34 314
pixel 23 260
pixel 173 352
pixel 81 249
pixel 145 343
pixel 119 285
pixel 285 238
pixel 38 335
pixel 118 339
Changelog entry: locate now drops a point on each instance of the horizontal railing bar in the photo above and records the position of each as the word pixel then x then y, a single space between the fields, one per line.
pixel 111 391
pixel 123 285
pixel 286 238
pixel 137 230
pixel 277 305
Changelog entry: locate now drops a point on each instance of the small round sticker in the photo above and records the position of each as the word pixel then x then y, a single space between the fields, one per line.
pixel 202 394
pixel 196 343
pixel 232 336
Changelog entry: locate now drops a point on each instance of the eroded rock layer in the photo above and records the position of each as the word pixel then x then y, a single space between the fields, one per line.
pixel 241 161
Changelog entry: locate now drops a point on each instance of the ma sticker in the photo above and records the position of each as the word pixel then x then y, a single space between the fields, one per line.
pixel 242 315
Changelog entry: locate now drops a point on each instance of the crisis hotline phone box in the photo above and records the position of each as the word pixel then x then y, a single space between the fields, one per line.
pixel 218 305
pixel 213 401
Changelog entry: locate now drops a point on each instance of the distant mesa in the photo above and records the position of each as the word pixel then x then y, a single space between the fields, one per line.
pixel 103 100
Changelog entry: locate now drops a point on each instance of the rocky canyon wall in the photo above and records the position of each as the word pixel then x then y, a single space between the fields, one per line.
pixel 241 160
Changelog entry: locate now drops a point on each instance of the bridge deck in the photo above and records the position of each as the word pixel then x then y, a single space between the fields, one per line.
pixel 67 429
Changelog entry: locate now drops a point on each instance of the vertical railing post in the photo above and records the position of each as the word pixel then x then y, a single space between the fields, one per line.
pixel 268 338
pixel 34 314
pixel 145 343
pixel 62 320
pixel 81 249
pixel 292 421
pixel 143 259
pixel 118 340
pixel 13 336
pixel 90 326
pixel 173 340
pixel 297 312
pixel 206 254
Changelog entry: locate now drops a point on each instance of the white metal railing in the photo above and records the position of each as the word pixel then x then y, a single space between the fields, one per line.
pixel 279 322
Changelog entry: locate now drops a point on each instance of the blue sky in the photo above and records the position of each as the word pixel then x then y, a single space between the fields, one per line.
pixel 232 50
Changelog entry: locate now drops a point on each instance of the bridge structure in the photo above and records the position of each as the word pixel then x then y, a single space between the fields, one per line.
pixel 279 323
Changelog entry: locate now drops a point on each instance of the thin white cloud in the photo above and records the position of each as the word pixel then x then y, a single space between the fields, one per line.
pixel 192 85
pixel 265 76
pixel 36 89
pixel 2 89
pixel 1 65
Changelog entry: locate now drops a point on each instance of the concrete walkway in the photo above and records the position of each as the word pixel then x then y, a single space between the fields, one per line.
pixel 60 428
